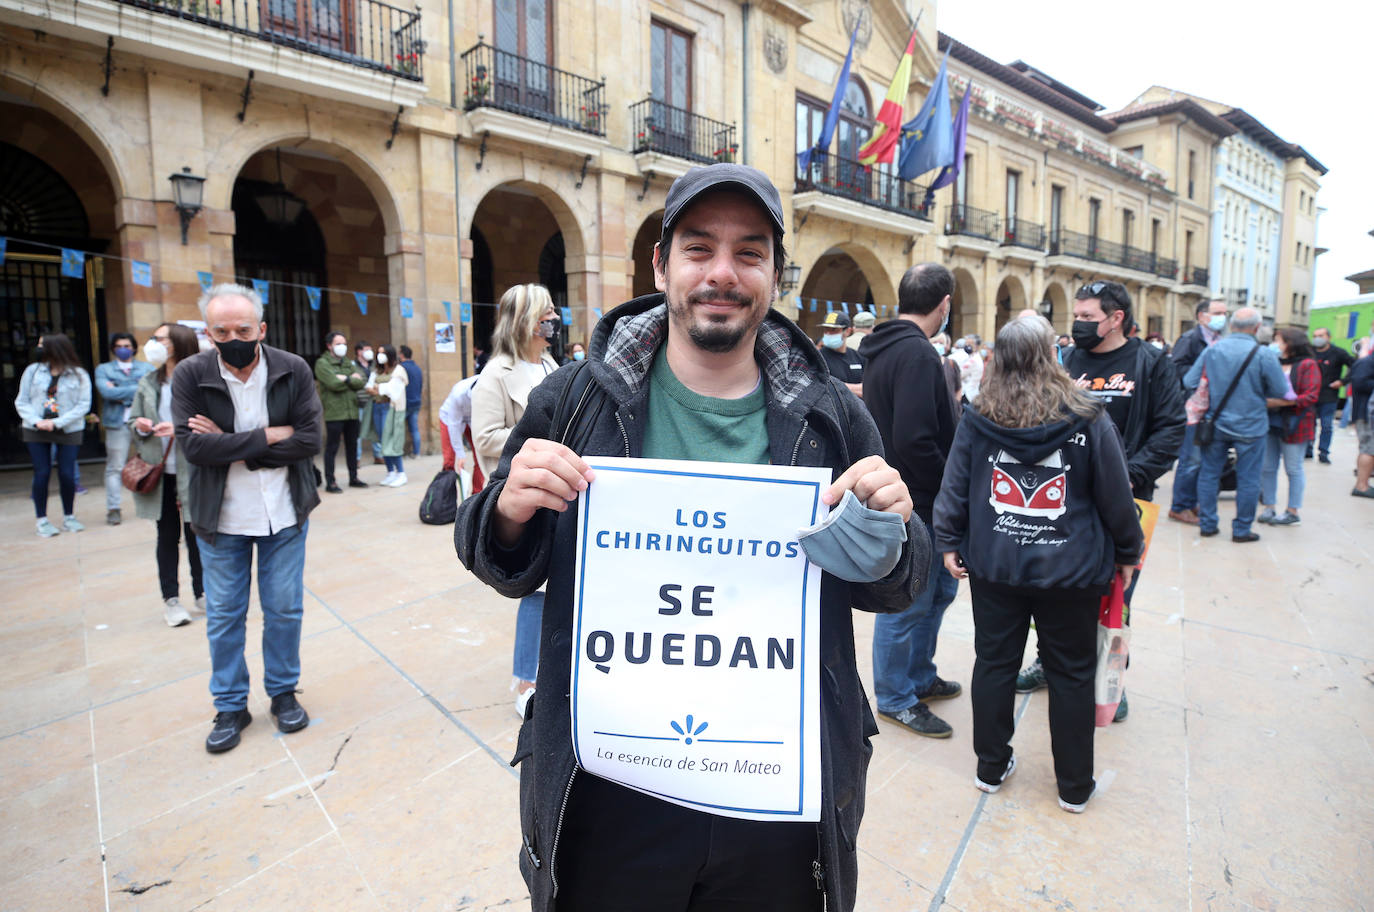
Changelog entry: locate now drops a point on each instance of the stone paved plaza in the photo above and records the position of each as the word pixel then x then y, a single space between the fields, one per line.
pixel 1240 781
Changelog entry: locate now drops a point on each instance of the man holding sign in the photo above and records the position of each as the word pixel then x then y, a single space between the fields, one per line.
pixel 699 734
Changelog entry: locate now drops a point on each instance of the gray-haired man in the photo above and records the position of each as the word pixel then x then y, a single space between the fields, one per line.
pixel 249 424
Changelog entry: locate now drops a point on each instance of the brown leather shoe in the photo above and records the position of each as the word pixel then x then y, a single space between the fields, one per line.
pixel 1184 516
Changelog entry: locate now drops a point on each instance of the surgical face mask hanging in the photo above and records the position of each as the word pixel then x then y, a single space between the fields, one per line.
pixel 855 543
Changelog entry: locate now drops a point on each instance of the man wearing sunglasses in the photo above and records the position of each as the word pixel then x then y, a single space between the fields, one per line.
pixel 1139 388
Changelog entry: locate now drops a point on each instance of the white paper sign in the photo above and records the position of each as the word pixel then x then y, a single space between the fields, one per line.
pixel 696 627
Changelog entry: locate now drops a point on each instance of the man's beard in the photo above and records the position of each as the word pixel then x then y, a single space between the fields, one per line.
pixel 716 336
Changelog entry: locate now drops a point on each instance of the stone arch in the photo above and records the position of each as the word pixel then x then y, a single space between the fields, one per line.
pixel 963 308
pixel 1010 300
pixel 72 116
pixel 849 273
pixel 1061 313
pixel 642 254
pixel 234 158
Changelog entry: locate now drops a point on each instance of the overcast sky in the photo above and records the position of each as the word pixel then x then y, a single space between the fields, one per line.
pixel 1302 69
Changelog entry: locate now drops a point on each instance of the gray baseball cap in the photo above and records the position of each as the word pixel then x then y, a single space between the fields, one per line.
pixel 864 318
pixel 717 177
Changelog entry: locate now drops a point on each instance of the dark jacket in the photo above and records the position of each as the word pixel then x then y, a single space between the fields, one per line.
pixel 415 384
pixel 1156 422
pixel 1361 380
pixel 1188 349
pixel 1045 507
pixel 1333 360
pixel 906 392
pixel 198 389
pixel 806 412
pixel 339 398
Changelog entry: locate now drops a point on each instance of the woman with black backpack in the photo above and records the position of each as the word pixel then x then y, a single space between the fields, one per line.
pixel 54 397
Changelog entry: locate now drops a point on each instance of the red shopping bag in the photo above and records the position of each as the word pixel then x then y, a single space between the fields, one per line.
pixel 1113 646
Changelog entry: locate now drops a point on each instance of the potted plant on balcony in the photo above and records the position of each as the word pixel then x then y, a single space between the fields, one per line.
pixel 727 153
pixel 478 88
pixel 591 118
pixel 406 63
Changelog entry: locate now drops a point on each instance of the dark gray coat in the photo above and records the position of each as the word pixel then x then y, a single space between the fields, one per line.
pixel 805 422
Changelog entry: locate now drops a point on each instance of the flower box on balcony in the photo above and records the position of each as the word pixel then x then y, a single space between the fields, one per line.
pixel 726 153
pixel 591 119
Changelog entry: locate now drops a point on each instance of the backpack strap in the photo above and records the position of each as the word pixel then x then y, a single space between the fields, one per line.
pixel 579 394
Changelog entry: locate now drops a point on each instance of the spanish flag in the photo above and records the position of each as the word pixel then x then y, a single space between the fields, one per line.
pixel 882 146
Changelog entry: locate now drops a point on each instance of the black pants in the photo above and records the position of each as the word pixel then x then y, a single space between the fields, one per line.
pixel 349 431
pixel 621 851
pixel 169 527
pixel 1066 626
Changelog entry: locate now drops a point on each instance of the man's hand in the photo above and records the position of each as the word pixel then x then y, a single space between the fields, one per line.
pixel 342 378
pixel 143 425
pixel 1335 384
pixel 278 433
pixel 199 424
pixel 44 424
pixel 876 484
pixel 461 463
pixel 1273 403
pixel 355 375
pixel 162 428
pixel 542 474
pixel 1127 573
pixel 111 384
pixel 856 388
pixel 955 566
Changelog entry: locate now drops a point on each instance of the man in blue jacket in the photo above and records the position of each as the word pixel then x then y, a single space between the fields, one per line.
pixel 415 385
pixel 1242 424
pixel 116 381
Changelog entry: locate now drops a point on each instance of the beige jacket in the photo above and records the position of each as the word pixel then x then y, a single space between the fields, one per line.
pixel 498 400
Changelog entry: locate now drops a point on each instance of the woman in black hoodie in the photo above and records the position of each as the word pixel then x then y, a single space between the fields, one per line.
pixel 1036 511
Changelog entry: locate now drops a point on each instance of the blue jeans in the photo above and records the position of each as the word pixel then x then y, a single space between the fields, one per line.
pixel 1326 414
pixel 413 427
pixel 116 455
pixel 364 421
pixel 528 620
pixel 1185 476
pixel 394 463
pixel 41 454
pixel 904 643
pixel 1346 409
pixel 1249 462
pixel 1292 454
pixel 228 572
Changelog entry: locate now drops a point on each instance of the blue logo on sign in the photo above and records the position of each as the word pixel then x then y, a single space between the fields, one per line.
pixel 687 731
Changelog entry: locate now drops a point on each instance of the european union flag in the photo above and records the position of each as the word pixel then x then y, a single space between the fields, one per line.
pixel 928 138
pixel 73 264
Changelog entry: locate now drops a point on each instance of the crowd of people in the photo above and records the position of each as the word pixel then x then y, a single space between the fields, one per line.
pixel 1010 465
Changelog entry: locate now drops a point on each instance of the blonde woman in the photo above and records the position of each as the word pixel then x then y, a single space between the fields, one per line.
pixel 1035 511
pixel 525 324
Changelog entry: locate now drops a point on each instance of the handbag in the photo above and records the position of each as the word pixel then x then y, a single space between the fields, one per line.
pixel 1113 649
pixel 142 477
pixel 1206 430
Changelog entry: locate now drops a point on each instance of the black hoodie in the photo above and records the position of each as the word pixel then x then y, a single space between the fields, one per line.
pixel 906 393
pixel 1045 507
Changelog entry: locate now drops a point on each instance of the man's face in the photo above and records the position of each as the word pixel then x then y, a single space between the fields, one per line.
pixel 719 278
pixel 232 317
pixel 1091 310
pixel 1321 338
pixel 1215 309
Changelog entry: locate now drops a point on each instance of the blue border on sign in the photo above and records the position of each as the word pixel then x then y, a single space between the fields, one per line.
pixel 584 518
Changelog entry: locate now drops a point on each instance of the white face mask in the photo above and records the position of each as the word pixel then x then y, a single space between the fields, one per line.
pixel 367 354
pixel 155 353
pixel 381 357
pixel 340 350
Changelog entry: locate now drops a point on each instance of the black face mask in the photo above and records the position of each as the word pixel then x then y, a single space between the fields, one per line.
pixel 238 353
pixel 1085 335
pixel 39 354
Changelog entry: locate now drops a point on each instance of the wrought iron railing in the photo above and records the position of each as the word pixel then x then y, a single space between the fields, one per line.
pixel 873 185
pixel 660 127
pixel 978 223
pixel 499 79
pixel 1021 233
pixel 365 33
pixel 1135 258
pixel 1167 269
pixel 1198 276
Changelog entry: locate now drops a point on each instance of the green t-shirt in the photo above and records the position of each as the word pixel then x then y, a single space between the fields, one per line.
pixel 686 425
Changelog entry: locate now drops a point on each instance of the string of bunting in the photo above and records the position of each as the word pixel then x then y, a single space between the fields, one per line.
pixel 141 274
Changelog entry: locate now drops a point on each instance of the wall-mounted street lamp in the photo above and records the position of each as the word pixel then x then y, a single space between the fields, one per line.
pixel 188 192
pixel 791 278
pixel 1045 308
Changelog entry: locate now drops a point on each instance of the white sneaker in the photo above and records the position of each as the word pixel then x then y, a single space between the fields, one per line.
pixel 200 603
pixel 399 480
pixel 992 787
pixel 522 700
pixel 72 524
pixel 1077 808
pixel 390 477
pixel 174 613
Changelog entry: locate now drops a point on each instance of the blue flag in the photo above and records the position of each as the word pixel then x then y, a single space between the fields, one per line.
pixel 4 242
pixel 951 171
pixel 261 287
pixel 360 299
pixel 206 280
pixel 596 312
pixel 832 117
pixel 407 308
pixel 142 273
pixel 448 311
pixel 928 138
pixel 465 312
pixel 567 315
pixel 312 294
pixel 73 264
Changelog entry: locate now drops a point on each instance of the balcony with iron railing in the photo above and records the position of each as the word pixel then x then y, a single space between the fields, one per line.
pixel 1197 275
pixel 1021 233
pixel 971 222
pixel 666 130
pixel 870 185
pixel 1166 269
pixel 1090 247
pixel 364 33
pixel 504 81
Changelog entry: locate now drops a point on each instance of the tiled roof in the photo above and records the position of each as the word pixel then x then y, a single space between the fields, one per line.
pixel 1247 124
pixel 1192 109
